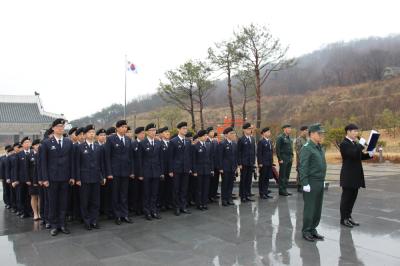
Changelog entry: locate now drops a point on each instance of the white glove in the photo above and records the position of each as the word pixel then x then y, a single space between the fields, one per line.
pixel 362 141
pixel 371 153
pixel 307 188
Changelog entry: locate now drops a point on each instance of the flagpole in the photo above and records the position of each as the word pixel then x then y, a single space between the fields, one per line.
pixel 125 90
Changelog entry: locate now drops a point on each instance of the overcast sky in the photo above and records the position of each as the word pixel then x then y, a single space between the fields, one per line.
pixel 72 52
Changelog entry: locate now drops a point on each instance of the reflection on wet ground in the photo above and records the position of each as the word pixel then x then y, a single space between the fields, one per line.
pixel 266 232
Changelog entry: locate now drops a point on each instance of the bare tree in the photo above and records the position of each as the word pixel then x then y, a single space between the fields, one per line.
pixel 246 87
pixel 225 57
pixel 263 53
pixel 203 87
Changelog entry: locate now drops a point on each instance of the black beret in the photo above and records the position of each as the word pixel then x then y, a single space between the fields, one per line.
pixel 49 131
pixel 195 137
pixel 101 131
pixel 110 130
pixel 350 127
pixel 181 124
pixel 139 130
pixel 10 148
pixel 304 128
pixel 25 139
pixel 246 125
pixel 65 135
pixel 16 144
pixel 209 129
pixel 227 130
pixel 201 132
pixel 150 126
pixel 72 130
pixel 79 131
pixel 121 123
pixel 265 129
pixel 161 130
pixel 189 135
pixel 129 128
pixel 7 147
pixel 35 142
pixel 58 121
pixel 87 128
pixel 286 126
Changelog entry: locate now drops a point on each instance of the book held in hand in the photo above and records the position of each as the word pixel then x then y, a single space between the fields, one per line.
pixel 373 140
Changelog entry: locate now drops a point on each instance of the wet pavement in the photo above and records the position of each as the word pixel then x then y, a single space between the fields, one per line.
pixel 265 232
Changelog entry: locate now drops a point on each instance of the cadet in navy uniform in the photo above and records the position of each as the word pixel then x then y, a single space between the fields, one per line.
pixel 120 167
pixel 228 164
pixel 34 169
pixel 180 164
pixel 44 191
pixel 214 179
pixel 3 177
pixel 56 163
pixel 12 170
pixel 152 170
pixel 23 179
pixel 137 197
pixel 76 206
pixel 108 210
pixel 165 190
pixel 89 176
pixel 265 161
pixel 246 160
pixel 203 168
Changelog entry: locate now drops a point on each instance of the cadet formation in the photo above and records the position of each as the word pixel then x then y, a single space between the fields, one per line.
pixel 89 172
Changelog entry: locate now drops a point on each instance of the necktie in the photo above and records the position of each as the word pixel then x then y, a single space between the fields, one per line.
pixel 249 139
pixel 152 143
pixel 123 142
pixel 59 143
pixel 91 146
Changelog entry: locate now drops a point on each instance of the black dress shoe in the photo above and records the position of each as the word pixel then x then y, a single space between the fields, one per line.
pixel 200 208
pixel 309 238
pixel 23 216
pixel 53 232
pixel 156 216
pixel 88 227
pixel 354 223
pixel 48 226
pixel 318 236
pixel 18 213
pixel 64 230
pixel 269 191
pixel 243 200
pixel 127 220
pixel 148 217
pixel 231 203
pixel 346 223
pixel 8 207
pixel 177 212
pixel 252 194
pixel 95 226
pixel 289 194
pixel 284 194
pixel 205 207
pixel 266 197
pixel 118 221
pixel 186 211
pixel 224 203
pixel 249 199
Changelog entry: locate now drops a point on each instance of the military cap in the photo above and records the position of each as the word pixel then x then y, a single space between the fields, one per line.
pixel 79 131
pixel 227 130
pixel 58 121
pixel 121 123
pixel 350 127
pixel 72 130
pixel 139 130
pixel 88 128
pixel 101 131
pixel 25 139
pixel 246 125
pixel 7 147
pixel 150 126
pixel 286 126
pixel 265 129
pixel 35 142
pixel 195 137
pixel 201 132
pixel 303 128
pixel 181 124
pixel 110 130
pixel 16 144
pixel 189 135
pixel 161 130
pixel 10 148
pixel 209 129
pixel 316 128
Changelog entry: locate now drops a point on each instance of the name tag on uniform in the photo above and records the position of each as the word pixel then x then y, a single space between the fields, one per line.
pixel 148 148
pixel 53 148
pixel 116 145
pixel 136 149
pixel 200 150
pixel 22 158
pixel 179 146
pixel 227 147
pixel 32 159
pixel 85 151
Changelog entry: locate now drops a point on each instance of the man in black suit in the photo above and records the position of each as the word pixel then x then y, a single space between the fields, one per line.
pixel 119 167
pixel 351 174
pixel 246 160
pixel 180 163
pixel 56 156
pixel 203 168
pixel 265 160
pixel 228 164
pixel 89 175
pixel 152 170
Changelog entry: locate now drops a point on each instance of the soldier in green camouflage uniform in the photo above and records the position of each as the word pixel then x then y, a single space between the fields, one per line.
pixel 298 144
pixel 312 176
pixel 284 152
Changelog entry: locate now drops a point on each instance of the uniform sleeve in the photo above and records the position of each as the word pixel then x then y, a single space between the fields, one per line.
pixel 107 157
pixel 278 148
pixel 77 164
pixel 259 152
pixel 304 168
